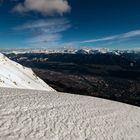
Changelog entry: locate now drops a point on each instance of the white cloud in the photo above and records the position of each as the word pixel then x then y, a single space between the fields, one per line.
pixel 131 34
pixel 127 35
pixel 99 39
pixel 45 7
pixel 44 32
pixel 47 26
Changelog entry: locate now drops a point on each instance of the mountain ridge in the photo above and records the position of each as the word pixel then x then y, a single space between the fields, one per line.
pixel 14 75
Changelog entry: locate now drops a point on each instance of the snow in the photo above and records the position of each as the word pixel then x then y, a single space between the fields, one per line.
pixel 14 75
pixel 70 50
pixel 46 115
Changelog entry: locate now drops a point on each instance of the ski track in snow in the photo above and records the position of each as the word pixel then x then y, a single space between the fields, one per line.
pixel 43 115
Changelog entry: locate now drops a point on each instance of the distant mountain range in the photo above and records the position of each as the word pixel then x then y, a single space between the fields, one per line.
pixel 69 51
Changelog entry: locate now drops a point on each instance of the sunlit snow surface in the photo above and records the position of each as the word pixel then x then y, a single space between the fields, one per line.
pixel 14 75
pixel 45 115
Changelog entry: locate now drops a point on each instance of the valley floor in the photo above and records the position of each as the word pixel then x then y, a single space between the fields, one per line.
pixel 34 115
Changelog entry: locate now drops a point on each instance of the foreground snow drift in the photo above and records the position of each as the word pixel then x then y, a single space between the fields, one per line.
pixel 14 75
pixel 38 115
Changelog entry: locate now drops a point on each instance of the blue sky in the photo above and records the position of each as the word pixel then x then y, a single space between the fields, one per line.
pixel 70 23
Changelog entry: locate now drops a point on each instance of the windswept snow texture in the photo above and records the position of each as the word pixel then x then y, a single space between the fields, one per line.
pixel 14 75
pixel 40 115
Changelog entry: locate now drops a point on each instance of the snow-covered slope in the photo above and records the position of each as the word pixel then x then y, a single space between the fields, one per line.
pixel 14 75
pixel 43 115
pixel 49 115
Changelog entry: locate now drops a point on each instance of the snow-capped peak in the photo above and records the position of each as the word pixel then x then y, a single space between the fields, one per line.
pixel 2 56
pixel 14 75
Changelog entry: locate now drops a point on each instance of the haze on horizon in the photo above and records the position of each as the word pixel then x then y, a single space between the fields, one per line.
pixel 113 24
